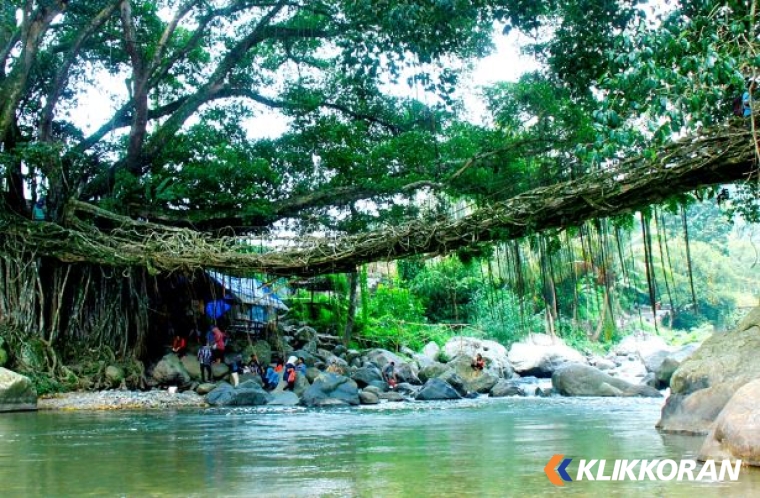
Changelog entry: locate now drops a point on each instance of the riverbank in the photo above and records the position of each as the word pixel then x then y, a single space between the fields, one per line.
pixel 121 400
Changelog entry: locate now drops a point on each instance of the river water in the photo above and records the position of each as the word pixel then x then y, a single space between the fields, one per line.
pixel 482 447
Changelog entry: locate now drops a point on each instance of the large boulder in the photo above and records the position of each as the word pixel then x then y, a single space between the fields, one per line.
pixel 736 434
pixel 454 380
pixel 431 350
pixel 261 349
pixel 664 372
pixel 301 385
pixel 422 361
pixel 352 354
pixel 366 375
pixel 405 371
pixel 219 370
pixel 506 388
pixel 246 394
pixel 306 338
pixel 475 381
pixel 695 413
pixel 170 371
pixel 369 398
pixel 540 355
pixel 284 398
pixel 17 392
pixel 382 357
pixel 312 373
pixel 406 389
pixel 574 379
pixel 433 370
pixel 497 362
pixel 330 389
pixel 435 389
pixel 114 375
pixel 205 388
pixel 192 365
pixel 719 367
pixel 392 396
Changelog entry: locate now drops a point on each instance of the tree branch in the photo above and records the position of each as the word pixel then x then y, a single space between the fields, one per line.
pixel 218 219
pixel 718 156
pixel 46 121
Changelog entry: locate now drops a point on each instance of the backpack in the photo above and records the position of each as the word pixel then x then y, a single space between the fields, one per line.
pixel 737 106
pixel 292 375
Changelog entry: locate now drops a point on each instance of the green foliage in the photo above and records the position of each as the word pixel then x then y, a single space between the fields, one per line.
pixel 578 338
pixel 442 357
pixel 3 353
pixel 326 313
pixel 396 319
pixel 501 317
pixel 446 289
pixel 44 384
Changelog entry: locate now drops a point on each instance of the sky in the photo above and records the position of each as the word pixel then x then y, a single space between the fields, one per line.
pixel 506 63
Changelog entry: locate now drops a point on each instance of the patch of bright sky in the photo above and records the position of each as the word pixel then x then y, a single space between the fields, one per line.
pixel 506 63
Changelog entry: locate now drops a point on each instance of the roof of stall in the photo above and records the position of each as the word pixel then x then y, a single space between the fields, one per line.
pixel 248 290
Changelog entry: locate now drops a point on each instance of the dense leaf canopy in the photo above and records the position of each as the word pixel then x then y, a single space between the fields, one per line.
pixel 187 79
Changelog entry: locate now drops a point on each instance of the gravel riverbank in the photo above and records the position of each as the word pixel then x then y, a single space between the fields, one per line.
pixel 121 400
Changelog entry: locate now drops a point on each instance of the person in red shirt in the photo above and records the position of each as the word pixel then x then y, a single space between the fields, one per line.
pixel 218 347
pixel 478 364
pixel 179 345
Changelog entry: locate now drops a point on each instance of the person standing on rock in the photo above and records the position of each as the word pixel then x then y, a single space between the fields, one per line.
pixel 218 345
pixel 205 357
pixel 235 370
pixel 389 374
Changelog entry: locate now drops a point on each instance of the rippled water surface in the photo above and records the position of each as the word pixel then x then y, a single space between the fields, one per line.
pixel 468 448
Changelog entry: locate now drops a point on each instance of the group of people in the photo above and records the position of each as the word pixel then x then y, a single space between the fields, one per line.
pixel 213 351
pixel 277 370
pixel 389 371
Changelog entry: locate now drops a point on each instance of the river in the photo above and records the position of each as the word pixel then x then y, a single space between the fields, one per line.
pixel 482 447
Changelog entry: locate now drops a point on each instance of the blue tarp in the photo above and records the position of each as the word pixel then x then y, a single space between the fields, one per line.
pixel 215 309
pixel 249 291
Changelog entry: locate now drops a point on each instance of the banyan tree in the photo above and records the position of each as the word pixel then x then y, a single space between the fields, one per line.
pixel 145 139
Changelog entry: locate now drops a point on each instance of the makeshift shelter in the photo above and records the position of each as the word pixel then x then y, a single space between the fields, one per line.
pixel 247 304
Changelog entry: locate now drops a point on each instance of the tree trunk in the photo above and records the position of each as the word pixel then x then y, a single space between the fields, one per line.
pixel 350 319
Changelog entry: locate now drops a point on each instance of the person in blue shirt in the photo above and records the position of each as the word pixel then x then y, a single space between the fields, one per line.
pixel 747 98
pixel 300 367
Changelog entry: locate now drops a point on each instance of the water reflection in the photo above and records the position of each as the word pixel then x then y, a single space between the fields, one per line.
pixel 470 448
